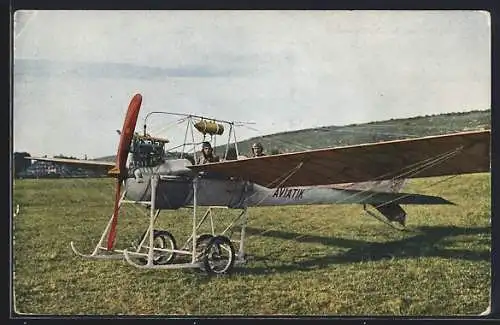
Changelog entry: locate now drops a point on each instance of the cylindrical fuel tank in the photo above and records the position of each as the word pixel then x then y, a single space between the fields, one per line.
pixel 208 127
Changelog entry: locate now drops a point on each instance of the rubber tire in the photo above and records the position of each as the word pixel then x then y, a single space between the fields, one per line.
pixel 163 234
pixel 203 239
pixel 217 240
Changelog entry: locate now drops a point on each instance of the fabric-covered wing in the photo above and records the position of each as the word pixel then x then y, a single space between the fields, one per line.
pixel 459 153
pixel 79 162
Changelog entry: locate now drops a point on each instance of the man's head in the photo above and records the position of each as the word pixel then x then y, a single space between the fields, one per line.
pixel 206 148
pixel 257 149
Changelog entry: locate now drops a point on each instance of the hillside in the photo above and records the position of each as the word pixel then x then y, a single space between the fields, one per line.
pixel 393 129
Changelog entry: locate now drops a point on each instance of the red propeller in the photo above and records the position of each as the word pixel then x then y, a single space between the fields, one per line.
pixel 120 169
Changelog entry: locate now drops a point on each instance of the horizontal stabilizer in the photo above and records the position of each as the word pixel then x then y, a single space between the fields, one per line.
pixel 384 198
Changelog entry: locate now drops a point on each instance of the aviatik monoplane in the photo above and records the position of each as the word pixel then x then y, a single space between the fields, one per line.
pixel 371 175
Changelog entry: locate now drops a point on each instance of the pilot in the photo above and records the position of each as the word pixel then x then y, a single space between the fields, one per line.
pixel 257 150
pixel 207 154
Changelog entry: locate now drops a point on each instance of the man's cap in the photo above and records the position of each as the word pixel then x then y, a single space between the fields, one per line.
pixel 257 145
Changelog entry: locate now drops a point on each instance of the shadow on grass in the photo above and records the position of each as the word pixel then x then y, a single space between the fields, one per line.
pixel 423 244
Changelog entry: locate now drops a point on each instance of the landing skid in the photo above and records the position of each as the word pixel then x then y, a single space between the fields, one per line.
pixel 101 252
pixel 212 253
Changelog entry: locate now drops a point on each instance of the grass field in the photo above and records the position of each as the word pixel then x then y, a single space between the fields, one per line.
pixel 306 260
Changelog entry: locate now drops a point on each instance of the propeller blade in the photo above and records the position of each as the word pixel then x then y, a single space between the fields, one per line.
pixel 126 136
pixel 120 170
pixel 114 222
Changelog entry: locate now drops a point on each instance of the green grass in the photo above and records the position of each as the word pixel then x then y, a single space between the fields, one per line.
pixel 306 260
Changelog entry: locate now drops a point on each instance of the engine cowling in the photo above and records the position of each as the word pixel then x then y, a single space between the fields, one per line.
pixel 174 186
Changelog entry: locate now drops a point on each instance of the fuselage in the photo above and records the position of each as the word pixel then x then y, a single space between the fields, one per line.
pixel 175 189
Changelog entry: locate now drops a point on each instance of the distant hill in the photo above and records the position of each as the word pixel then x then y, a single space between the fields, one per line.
pixel 393 129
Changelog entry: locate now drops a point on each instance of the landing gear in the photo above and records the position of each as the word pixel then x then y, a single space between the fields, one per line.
pixel 202 242
pixel 164 247
pixel 218 256
pixel 212 252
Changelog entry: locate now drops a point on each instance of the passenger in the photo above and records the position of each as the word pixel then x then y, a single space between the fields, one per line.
pixel 257 150
pixel 207 154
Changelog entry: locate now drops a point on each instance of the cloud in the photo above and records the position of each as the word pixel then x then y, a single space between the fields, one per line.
pixel 43 68
pixel 76 71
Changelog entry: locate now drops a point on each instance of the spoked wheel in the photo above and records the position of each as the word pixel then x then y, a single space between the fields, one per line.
pixel 219 255
pixel 162 239
pixel 202 242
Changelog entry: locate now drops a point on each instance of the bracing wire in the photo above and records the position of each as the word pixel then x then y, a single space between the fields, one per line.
pixel 417 168
pixel 414 170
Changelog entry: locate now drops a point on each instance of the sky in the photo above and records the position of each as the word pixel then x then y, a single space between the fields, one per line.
pixel 75 72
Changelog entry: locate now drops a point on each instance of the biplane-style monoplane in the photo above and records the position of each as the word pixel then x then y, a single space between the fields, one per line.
pixel 371 175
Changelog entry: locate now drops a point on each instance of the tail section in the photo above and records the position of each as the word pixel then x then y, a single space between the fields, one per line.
pixel 384 196
pixel 263 196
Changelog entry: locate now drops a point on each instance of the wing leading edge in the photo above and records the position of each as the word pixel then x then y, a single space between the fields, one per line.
pixel 450 154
